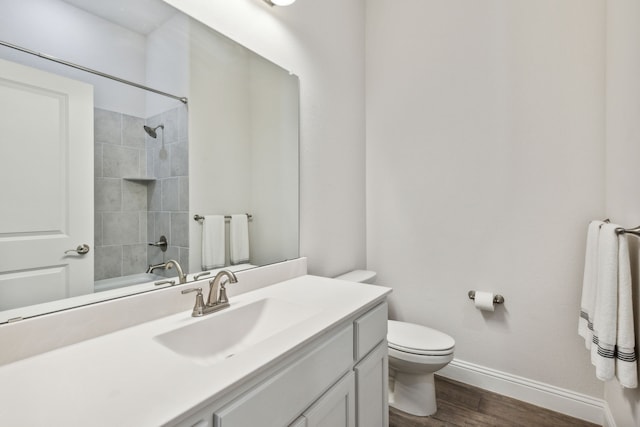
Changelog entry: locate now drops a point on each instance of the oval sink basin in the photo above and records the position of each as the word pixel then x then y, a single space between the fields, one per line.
pixel 230 331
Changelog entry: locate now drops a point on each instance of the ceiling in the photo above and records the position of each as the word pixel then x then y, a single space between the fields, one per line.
pixel 140 16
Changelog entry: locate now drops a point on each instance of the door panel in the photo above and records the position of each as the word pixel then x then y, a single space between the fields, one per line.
pixel 27 287
pixel 46 171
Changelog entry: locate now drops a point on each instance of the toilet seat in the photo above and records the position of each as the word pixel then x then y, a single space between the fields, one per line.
pixel 418 340
pixel 417 363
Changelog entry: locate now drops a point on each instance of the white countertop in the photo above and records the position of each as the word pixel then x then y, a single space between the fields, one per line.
pixel 127 378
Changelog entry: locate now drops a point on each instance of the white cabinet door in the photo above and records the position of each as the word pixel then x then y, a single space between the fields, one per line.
pixel 336 408
pixel 372 385
pixel 46 171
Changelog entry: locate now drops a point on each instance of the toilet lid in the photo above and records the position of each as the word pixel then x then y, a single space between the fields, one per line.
pixel 418 339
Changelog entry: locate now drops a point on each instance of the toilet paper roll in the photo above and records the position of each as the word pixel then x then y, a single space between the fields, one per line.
pixel 484 301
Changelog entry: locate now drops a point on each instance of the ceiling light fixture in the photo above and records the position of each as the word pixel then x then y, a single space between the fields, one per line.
pixel 279 2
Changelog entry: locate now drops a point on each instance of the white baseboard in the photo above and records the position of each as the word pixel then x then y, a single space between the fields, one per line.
pixel 609 421
pixel 544 395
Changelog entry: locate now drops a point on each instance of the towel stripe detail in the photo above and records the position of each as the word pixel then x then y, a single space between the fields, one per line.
pixel 609 351
pixel 626 356
pixel 585 316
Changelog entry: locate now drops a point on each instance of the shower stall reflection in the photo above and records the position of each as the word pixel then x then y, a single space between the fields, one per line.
pixel 141 195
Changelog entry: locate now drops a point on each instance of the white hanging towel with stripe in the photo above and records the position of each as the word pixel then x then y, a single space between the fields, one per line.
pixel 608 310
pixel 213 237
pixel 589 284
pixel 239 239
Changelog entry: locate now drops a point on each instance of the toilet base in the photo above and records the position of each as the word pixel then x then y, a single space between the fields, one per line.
pixel 414 394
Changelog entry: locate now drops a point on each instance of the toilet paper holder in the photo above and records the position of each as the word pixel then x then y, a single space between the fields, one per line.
pixel 497 299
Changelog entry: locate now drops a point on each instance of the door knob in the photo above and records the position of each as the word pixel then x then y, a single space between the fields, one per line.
pixel 80 250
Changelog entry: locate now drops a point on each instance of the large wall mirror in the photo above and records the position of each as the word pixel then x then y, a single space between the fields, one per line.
pixel 89 162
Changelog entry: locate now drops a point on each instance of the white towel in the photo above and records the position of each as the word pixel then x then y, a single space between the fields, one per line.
pixel 605 317
pixel 239 239
pixel 626 359
pixel 588 301
pixel 213 242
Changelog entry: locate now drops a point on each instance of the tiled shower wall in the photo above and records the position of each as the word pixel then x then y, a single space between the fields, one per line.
pixel 168 195
pixel 129 213
pixel 120 205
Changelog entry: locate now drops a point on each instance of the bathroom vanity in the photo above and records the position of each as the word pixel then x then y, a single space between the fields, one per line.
pixel 308 351
pixel 337 379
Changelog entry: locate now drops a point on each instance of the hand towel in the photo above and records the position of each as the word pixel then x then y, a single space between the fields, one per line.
pixel 626 359
pixel 239 239
pixel 213 242
pixel 605 318
pixel 588 301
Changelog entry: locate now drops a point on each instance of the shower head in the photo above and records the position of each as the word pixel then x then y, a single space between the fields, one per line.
pixel 152 131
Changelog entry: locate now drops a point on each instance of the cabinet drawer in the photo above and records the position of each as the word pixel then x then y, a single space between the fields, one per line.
pixel 281 398
pixel 370 329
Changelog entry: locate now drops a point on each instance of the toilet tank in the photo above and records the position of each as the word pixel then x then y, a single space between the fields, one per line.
pixel 360 276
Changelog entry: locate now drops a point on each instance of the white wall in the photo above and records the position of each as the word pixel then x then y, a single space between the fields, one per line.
pixel 322 43
pixel 66 32
pixel 243 145
pixel 274 162
pixel 484 166
pixel 220 140
pixel 167 64
pixel 623 152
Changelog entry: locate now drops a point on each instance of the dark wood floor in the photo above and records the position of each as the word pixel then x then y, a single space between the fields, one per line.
pixel 463 405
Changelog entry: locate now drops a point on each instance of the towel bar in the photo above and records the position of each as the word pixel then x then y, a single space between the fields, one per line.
pixel 497 299
pixel 634 231
pixel 200 218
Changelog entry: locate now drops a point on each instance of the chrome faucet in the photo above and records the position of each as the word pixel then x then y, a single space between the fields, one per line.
pixel 182 278
pixel 217 299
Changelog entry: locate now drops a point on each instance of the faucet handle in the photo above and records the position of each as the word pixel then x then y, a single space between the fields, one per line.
pixel 222 298
pixel 199 275
pixel 198 308
pixel 165 282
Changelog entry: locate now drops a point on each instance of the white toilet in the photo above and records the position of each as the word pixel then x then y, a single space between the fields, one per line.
pixel 416 352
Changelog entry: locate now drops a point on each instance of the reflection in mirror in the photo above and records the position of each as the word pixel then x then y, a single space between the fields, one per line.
pixel 123 170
